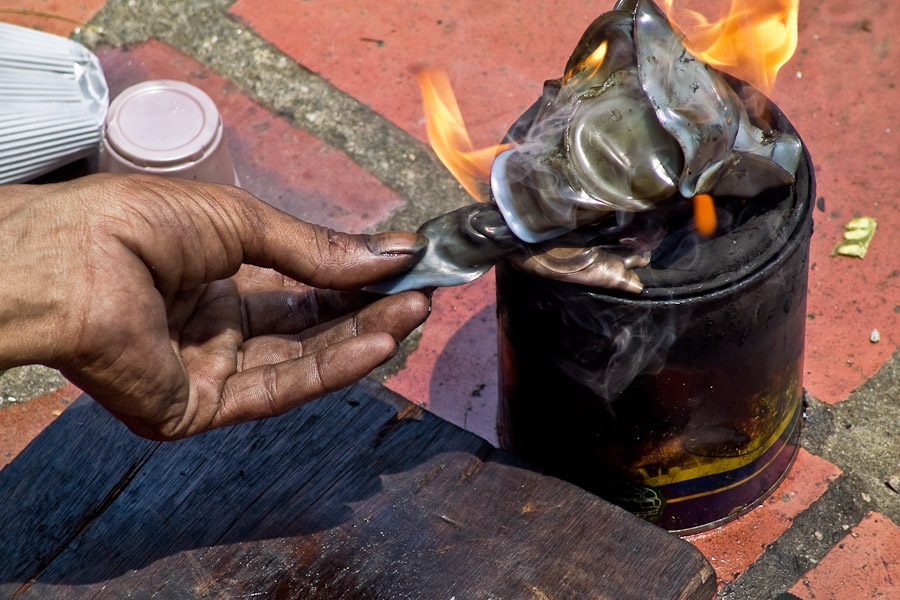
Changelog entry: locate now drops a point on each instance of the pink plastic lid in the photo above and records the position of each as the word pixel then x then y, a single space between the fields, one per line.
pixel 163 123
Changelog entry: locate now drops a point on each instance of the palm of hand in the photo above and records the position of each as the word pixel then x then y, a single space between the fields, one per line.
pixel 150 310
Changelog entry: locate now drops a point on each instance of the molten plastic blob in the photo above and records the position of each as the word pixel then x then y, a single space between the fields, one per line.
pixel 637 124
pixel 652 122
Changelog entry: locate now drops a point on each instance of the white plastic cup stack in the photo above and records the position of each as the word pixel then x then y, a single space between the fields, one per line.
pixel 53 102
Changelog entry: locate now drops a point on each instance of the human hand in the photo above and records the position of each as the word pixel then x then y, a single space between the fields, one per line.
pixel 133 287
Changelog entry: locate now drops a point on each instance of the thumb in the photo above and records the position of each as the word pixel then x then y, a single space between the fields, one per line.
pixel 325 258
pixel 190 232
pixel 316 255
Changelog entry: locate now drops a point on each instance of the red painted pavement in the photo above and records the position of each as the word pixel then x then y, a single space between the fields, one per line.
pixel 453 372
pixel 737 545
pixel 21 423
pixel 284 165
pixel 866 564
pixel 839 91
pixel 60 17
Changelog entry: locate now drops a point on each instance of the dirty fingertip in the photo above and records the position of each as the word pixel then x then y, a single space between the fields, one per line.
pixel 396 243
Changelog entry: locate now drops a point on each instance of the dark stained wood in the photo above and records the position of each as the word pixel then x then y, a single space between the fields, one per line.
pixel 359 495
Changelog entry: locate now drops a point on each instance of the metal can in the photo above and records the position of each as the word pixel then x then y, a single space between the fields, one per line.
pixel 682 404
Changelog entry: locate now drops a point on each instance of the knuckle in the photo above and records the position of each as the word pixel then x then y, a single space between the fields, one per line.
pixel 270 389
pixel 317 376
pixel 334 251
pixel 333 245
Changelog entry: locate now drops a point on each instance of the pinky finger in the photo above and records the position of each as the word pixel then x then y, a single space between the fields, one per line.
pixel 270 390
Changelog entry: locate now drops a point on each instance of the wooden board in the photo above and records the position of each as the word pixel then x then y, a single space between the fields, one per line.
pixel 357 495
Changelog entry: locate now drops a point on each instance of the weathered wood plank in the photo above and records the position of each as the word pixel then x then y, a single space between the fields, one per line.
pixel 357 495
pixel 62 480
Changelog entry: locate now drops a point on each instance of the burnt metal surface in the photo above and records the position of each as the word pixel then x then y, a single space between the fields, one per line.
pixel 751 233
pixel 636 125
pixel 640 125
pixel 462 246
pixel 681 404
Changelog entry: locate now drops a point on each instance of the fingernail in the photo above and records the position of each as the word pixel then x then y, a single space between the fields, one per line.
pixel 396 242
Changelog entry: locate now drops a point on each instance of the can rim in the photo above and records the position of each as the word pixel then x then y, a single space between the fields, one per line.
pixel 794 230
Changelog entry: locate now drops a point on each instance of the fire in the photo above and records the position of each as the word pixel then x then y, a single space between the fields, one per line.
pixel 447 132
pixel 590 65
pixel 448 136
pixel 752 42
pixel 704 214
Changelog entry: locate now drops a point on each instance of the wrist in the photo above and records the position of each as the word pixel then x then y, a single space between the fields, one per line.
pixel 31 303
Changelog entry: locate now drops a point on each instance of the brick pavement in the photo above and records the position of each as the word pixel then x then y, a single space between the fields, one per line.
pixel 324 121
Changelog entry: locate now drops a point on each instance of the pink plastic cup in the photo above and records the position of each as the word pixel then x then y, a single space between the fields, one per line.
pixel 168 128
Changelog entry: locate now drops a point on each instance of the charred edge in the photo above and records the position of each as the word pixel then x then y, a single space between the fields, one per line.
pixel 430 476
pixel 406 414
pixel 89 519
pixel 478 460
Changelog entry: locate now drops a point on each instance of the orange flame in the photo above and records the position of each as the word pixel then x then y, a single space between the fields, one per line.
pixel 595 59
pixel 704 214
pixel 448 136
pixel 752 42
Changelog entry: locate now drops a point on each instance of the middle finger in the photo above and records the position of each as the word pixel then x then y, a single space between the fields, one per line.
pixel 396 315
pixel 290 311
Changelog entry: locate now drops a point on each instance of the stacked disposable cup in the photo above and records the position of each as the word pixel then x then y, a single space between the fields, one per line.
pixel 53 102
pixel 167 128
